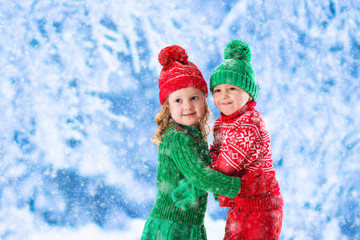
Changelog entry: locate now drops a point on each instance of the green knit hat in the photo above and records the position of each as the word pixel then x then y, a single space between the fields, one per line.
pixel 236 69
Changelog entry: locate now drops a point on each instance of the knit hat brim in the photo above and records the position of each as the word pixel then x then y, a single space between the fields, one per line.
pixel 182 81
pixel 234 78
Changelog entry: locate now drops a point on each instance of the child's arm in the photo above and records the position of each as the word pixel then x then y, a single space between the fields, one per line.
pixel 257 182
pixel 214 151
pixel 196 172
pixel 238 150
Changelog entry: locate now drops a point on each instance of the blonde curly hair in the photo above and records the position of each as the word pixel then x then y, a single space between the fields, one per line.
pixel 164 121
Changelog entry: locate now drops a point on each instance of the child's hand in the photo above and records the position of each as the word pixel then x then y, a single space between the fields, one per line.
pixel 186 195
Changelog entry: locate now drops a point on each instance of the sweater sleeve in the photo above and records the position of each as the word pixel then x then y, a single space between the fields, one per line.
pixel 258 182
pixel 239 150
pixel 196 172
pixel 214 151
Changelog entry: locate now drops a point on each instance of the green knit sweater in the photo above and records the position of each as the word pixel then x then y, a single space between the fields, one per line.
pixel 181 156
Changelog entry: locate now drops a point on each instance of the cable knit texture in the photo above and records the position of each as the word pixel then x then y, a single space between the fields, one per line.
pixel 241 148
pixel 180 156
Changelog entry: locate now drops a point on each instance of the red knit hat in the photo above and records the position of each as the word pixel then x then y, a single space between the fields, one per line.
pixel 178 72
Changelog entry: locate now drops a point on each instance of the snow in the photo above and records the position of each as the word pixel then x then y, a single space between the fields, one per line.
pixel 133 232
pixel 79 91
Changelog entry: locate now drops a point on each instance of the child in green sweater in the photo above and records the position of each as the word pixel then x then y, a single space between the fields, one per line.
pixel 181 133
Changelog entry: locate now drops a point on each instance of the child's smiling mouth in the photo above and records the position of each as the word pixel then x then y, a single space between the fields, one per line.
pixel 189 114
pixel 226 103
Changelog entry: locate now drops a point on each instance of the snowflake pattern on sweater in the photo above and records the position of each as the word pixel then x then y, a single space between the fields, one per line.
pixel 241 147
pixel 241 142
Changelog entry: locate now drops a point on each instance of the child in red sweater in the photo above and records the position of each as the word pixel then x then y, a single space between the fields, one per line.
pixel 241 147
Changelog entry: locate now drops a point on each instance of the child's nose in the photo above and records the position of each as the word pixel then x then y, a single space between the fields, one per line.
pixel 225 94
pixel 188 105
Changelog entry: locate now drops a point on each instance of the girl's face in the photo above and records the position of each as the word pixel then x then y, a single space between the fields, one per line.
pixel 187 106
pixel 229 98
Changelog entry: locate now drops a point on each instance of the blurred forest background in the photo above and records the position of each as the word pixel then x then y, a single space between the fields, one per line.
pixel 78 90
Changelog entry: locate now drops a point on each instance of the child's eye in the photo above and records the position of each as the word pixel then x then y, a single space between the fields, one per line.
pixel 216 90
pixel 232 89
pixel 195 98
pixel 178 100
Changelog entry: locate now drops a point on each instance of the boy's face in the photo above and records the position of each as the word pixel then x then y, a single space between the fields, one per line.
pixel 187 106
pixel 230 98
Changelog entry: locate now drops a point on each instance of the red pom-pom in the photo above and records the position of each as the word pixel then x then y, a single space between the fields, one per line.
pixel 169 55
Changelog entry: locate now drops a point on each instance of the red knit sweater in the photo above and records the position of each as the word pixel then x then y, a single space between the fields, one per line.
pixel 241 148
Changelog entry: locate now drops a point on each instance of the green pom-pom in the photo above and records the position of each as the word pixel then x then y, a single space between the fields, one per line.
pixel 237 49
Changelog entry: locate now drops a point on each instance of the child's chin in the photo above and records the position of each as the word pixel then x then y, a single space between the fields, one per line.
pixel 189 123
pixel 227 113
